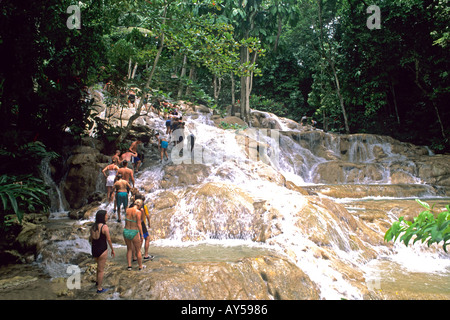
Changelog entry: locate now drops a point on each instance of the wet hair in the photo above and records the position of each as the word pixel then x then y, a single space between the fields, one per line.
pixel 135 203
pixel 100 217
pixel 139 201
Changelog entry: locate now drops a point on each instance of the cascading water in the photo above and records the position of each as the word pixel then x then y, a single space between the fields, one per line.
pixel 57 209
pixel 223 151
pixel 244 200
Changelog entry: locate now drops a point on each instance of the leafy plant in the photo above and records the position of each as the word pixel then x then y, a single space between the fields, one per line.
pixel 233 126
pixel 426 227
pixel 264 104
pixel 20 194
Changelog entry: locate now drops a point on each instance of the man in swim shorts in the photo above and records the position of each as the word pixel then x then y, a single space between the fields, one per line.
pixel 162 146
pixel 135 160
pixel 122 187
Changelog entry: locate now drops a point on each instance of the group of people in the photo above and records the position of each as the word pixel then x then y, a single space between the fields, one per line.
pixel 135 233
pixel 120 184
pixel 305 119
pixel 121 189
pixel 174 132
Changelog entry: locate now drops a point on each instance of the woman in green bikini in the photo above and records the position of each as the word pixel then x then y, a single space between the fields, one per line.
pixel 132 232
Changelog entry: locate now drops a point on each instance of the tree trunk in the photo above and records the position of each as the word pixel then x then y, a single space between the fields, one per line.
pixel 395 100
pixel 127 129
pixel 332 66
pixel 217 84
pixel 183 73
pixel 134 70
pixel 191 78
pixel 129 69
pixel 341 99
pixel 245 88
pixel 233 97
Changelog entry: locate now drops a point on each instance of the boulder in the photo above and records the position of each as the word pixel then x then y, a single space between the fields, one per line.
pixel 84 172
pixel 230 120
pixel 256 278
pixel 182 175
pixel 202 109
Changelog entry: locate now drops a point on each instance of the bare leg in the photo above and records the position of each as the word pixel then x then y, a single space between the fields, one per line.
pixel 101 263
pixel 137 244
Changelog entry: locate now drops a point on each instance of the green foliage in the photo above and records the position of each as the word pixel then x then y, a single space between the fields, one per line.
pixel 264 104
pixel 428 227
pixel 21 194
pixel 232 126
pixel 18 155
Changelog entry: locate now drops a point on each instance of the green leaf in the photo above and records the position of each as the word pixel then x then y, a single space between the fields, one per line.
pixel 13 201
pixel 423 204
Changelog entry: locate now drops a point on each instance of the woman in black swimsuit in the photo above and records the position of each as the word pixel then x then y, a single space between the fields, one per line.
pixel 100 239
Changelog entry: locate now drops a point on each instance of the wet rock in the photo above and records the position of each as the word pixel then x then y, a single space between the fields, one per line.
pixel 260 278
pixel 230 120
pixel 183 175
pixel 202 109
pixel 82 176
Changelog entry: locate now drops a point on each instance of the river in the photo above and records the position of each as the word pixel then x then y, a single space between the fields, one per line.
pixel 213 219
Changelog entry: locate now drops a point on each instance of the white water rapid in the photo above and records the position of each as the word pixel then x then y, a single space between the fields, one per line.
pixel 251 168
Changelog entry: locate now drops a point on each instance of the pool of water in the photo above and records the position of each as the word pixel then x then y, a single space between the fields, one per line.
pixel 202 252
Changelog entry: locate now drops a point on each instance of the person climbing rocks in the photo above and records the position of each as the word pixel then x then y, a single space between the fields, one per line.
pixel 112 172
pixel 162 146
pixel 304 118
pixel 131 98
pixel 121 186
pixel 127 173
pixel 127 156
pixel 136 160
pixel 136 195
pixel 116 158
pixel 100 239
pixel 157 106
pixel 132 233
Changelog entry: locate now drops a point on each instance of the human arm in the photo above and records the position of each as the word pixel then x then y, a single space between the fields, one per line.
pixel 104 171
pixel 132 177
pixel 105 231
pixel 139 223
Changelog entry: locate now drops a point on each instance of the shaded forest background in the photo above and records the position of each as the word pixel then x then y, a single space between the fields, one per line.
pixel 328 60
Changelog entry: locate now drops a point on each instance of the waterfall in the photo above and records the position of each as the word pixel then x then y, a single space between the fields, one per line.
pixel 245 198
pixel 57 209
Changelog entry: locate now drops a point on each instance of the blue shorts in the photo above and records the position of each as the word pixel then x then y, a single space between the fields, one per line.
pixel 135 159
pixel 122 198
pixel 164 144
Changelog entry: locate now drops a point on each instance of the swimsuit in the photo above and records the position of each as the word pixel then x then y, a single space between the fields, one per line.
pixel 130 233
pixel 122 198
pixel 99 246
pixel 144 230
pixel 164 144
pixel 111 177
pixel 135 159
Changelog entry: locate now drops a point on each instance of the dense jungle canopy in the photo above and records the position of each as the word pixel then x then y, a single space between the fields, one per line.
pixel 353 67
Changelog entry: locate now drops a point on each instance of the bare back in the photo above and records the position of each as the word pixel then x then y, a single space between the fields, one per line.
pixel 127 174
pixel 121 186
pixel 132 218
